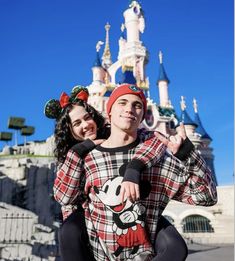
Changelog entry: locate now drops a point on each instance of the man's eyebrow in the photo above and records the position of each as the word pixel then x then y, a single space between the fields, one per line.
pixel 137 102
pixel 126 100
pixel 122 99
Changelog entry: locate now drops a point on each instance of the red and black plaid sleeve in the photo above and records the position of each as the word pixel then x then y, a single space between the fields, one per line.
pixel 70 180
pixel 198 187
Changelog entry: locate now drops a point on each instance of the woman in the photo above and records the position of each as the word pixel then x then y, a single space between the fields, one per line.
pixel 78 121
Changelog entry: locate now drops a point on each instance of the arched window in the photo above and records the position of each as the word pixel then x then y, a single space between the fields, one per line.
pixel 197 224
pixel 170 219
pixel 149 117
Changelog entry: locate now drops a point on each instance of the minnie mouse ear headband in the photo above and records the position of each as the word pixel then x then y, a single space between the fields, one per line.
pixel 53 108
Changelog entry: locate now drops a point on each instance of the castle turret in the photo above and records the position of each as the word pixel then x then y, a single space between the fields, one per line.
pixel 205 149
pixel 134 21
pixel 163 82
pixel 200 129
pixel 189 124
pixel 132 53
pixel 106 58
pixel 97 69
pixel 97 88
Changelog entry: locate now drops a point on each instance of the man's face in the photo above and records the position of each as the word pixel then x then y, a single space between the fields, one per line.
pixel 82 125
pixel 127 113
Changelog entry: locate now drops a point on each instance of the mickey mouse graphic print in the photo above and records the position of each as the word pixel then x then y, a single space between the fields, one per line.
pixel 116 229
pixel 128 218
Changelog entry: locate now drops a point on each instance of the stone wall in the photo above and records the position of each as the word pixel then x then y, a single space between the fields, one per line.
pixel 43 148
pixel 29 217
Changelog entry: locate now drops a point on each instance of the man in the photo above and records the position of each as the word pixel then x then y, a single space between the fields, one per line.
pixel 120 228
pixel 119 231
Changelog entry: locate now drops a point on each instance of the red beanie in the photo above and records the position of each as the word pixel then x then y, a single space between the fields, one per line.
pixel 126 89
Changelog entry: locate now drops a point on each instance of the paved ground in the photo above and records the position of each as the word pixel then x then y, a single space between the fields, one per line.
pixel 210 253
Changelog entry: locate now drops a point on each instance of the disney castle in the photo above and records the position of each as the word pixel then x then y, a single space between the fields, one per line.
pixel 132 61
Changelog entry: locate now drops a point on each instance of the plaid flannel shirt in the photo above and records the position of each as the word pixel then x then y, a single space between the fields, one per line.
pixel 112 230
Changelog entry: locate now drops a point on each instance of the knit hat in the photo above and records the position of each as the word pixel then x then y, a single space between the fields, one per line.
pixel 126 89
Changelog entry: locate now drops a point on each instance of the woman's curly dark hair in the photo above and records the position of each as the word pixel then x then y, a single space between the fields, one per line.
pixel 63 137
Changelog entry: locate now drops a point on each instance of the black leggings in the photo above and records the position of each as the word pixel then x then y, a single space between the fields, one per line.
pixel 73 238
pixel 74 242
pixel 169 244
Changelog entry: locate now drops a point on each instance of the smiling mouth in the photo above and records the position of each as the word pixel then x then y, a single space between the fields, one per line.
pixel 128 118
pixel 118 208
pixel 87 133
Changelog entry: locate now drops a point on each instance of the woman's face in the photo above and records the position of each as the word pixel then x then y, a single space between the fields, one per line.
pixel 82 125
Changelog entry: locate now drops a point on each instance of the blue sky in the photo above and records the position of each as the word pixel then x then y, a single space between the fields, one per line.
pixel 48 46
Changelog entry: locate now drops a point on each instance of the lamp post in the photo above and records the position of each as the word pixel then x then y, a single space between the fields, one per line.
pixel 16 123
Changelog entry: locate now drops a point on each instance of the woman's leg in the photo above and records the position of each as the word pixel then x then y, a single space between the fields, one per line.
pixel 169 244
pixel 73 238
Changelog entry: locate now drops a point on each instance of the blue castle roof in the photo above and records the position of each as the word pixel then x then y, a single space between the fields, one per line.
pixel 97 62
pixel 162 74
pixel 185 118
pixel 200 130
pixel 128 77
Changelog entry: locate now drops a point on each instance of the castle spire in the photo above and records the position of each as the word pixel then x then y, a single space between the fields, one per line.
pixel 162 73
pixel 162 83
pixel 185 118
pixel 195 105
pixel 122 31
pixel 160 55
pixel 106 58
pixel 200 129
pixel 97 62
pixel 182 103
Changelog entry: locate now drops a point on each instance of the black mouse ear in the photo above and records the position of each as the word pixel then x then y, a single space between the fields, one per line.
pixel 80 92
pixel 122 169
pixel 52 109
pixel 145 189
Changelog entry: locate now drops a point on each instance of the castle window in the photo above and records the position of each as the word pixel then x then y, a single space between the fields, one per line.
pixel 149 117
pixel 197 224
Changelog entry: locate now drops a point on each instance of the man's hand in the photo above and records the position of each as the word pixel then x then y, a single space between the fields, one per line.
pixel 174 142
pixel 130 190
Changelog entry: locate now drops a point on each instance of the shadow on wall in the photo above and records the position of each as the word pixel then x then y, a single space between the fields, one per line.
pixel 11 191
pixel 34 193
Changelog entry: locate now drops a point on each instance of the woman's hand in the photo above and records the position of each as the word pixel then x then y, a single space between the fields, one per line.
pixel 174 142
pixel 129 190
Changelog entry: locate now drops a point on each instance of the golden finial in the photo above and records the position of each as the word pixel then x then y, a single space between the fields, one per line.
pixel 106 58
